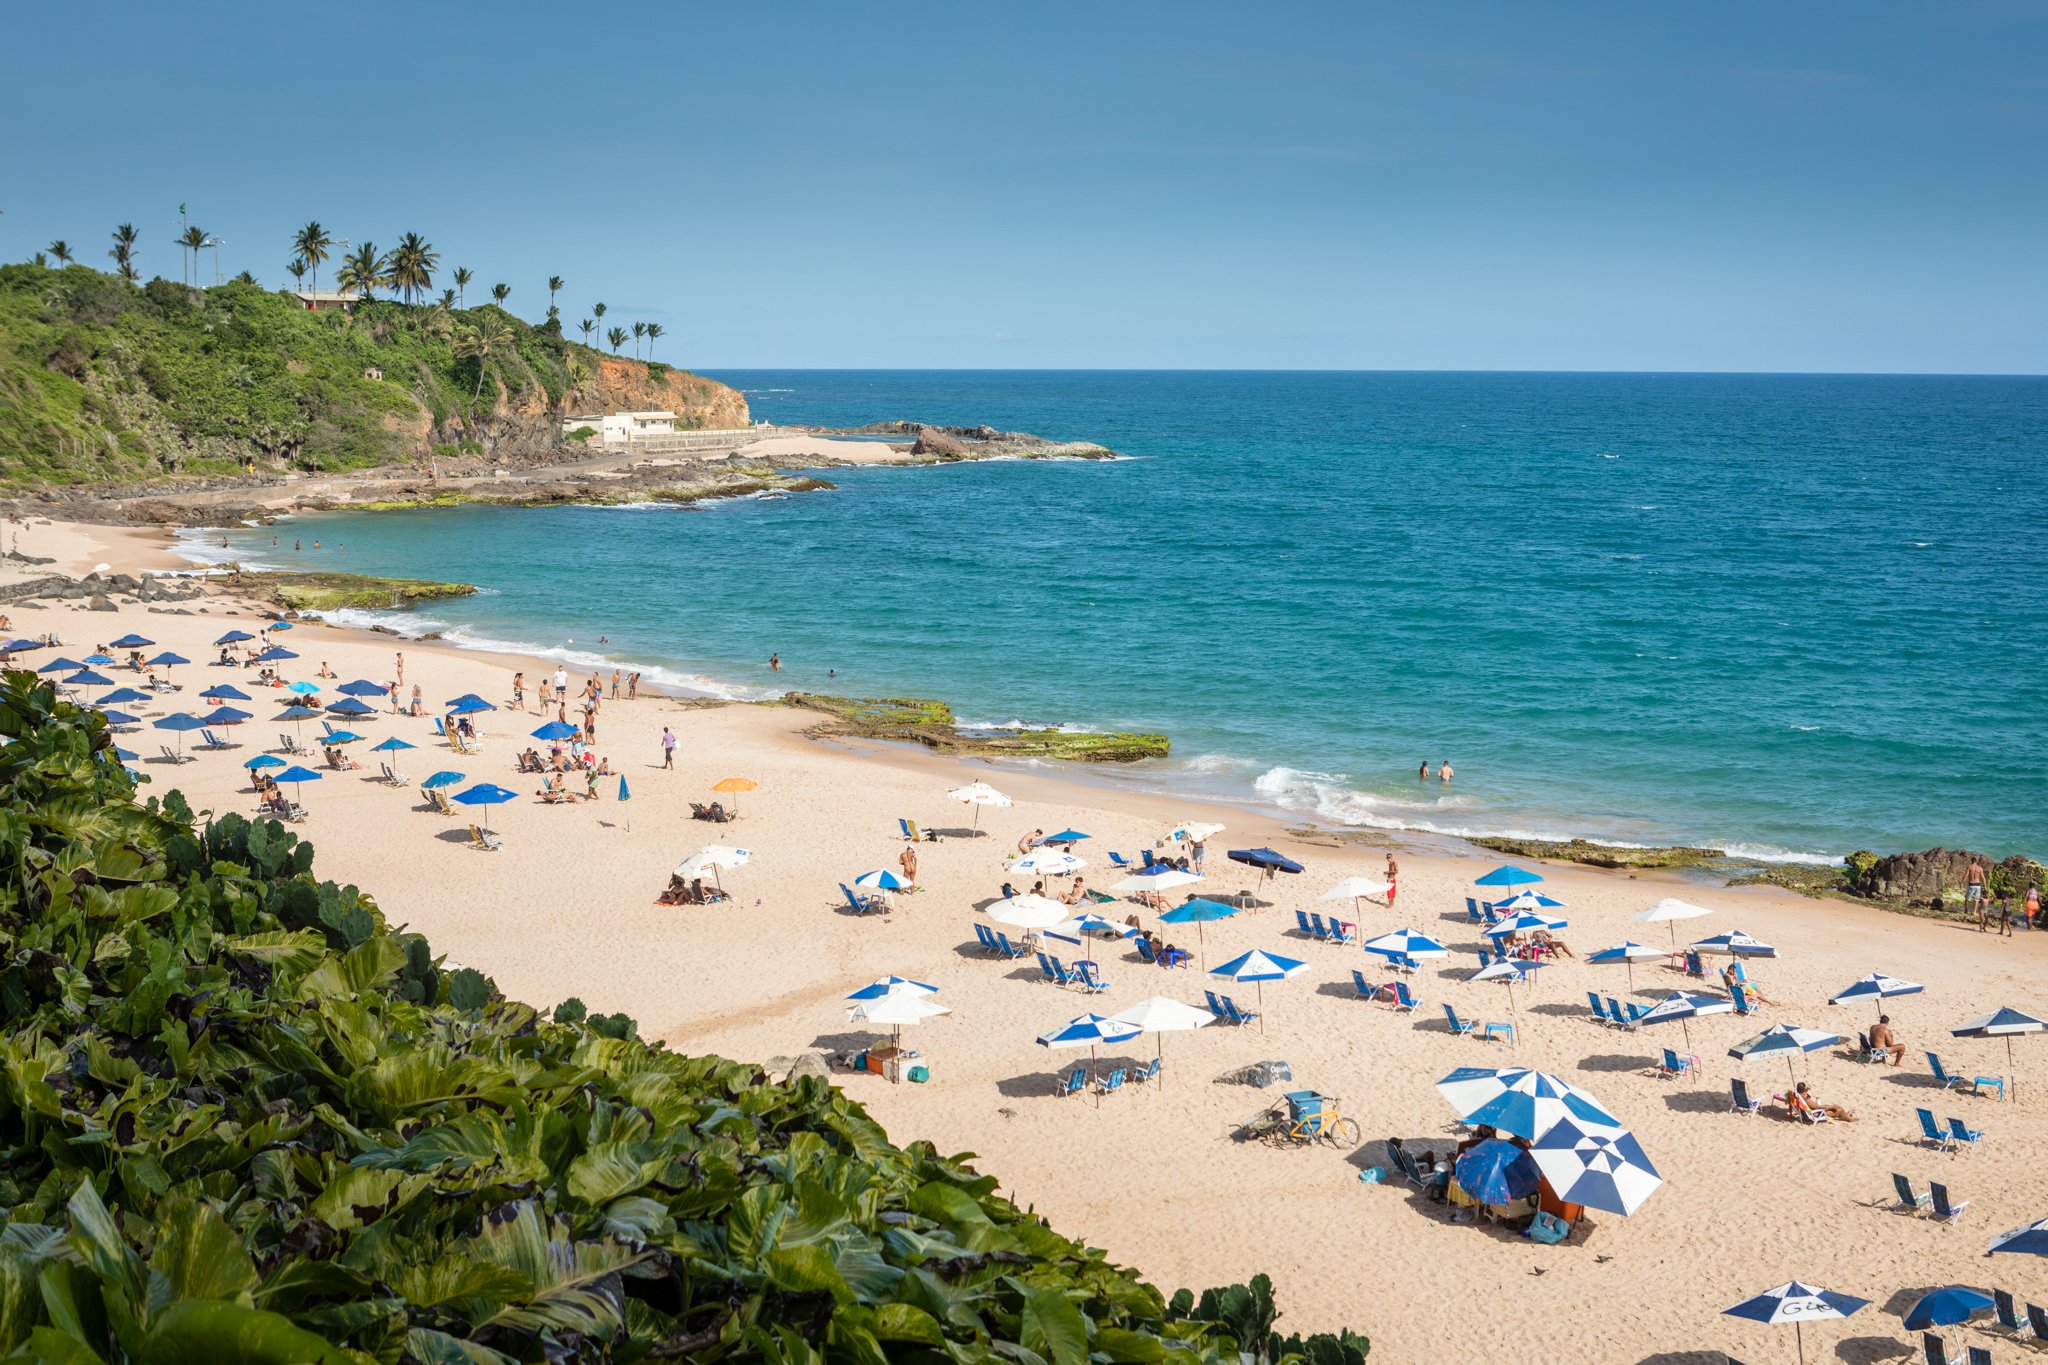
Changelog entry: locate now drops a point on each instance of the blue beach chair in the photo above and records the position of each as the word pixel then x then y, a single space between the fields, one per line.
pixel 1366 990
pixel 1473 912
pixel 1145 953
pixel 2008 1312
pixel 1089 980
pixel 1075 1083
pixel 1930 1131
pixel 1944 1211
pixel 1677 1064
pixel 1147 1072
pixel 1301 923
pixel 1237 1015
pixel 1909 1198
pixel 1742 1001
pixel 1739 1100
pixel 1963 1135
pixel 1216 1007
pixel 1009 949
pixel 1404 999
pixel 1460 1027
pixel 1599 1010
pixel 862 904
pixel 1115 1081
pixel 1341 932
pixel 1620 1016
pixel 1118 860
pixel 1045 970
pixel 985 938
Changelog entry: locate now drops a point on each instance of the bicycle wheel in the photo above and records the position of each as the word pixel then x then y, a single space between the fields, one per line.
pixel 1343 1133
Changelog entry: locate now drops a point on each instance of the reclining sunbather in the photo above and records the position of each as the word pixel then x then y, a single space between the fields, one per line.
pixel 1800 1101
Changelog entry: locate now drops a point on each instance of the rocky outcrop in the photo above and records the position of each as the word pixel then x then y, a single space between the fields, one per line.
pixel 1938 872
pixel 1604 855
pixel 330 591
pixel 921 720
pixel 943 444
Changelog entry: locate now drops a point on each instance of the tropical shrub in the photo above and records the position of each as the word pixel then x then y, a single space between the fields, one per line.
pixel 247 1122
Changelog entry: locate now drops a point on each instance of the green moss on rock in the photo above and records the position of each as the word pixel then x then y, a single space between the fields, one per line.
pixel 331 591
pixel 927 721
pixel 1604 855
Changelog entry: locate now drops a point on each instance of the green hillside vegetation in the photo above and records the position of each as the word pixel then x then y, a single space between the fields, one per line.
pixel 245 1121
pixel 101 379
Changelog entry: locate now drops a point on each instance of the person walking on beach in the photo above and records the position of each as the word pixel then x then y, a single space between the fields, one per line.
pixel 668 747
pixel 1393 879
pixel 561 680
pixel 1973 891
pixel 519 690
pixel 632 687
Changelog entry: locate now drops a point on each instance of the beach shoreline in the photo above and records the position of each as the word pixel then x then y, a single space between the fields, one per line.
pixel 1151 1175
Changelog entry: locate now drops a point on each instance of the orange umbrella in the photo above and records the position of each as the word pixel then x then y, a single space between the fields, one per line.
pixel 734 785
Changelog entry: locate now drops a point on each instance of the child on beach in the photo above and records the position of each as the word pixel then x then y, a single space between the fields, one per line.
pixel 668 747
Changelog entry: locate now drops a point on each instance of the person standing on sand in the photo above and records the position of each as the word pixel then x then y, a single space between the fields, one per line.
pixel 1393 878
pixel 668 747
pixel 401 668
pixel 909 864
pixel 2032 912
pixel 615 684
pixel 392 688
pixel 2005 917
pixel 632 687
pixel 519 690
pixel 1973 891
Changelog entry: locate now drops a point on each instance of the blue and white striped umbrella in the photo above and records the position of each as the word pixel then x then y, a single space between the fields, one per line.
pixel 1507 971
pixel 1876 986
pixel 882 986
pixel 1796 1303
pixel 1600 1166
pixel 1684 1005
pixel 1524 901
pixel 2031 1240
pixel 1520 1100
pixel 2007 1023
pixel 1090 1030
pixel 1070 931
pixel 1628 953
pixel 1405 943
pixel 881 880
pixel 1526 922
pixel 1783 1040
pixel 1735 943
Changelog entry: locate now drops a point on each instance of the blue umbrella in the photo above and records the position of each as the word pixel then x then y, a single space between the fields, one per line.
pixel 1599 1166
pixel 61 665
pixel 181 723
pixel 1497 1172
pixel 881 880
pixel 1528 900
pixel 349 706
pixel 114 717
pixel 882 986
pixel 1405 943
pixel 484 794
pixel 297 713
pixel 391 745
pixel 1524 923
pixel 1259 968
pixel 340 737
pixel 224 692
pixel 132 641
pixel 1684 1005
pixel 2031 1240
pixel 363 687
pixel 1627 953
pixel 1519 1100
pixel 295 776
pixel 1783 1040
pixel 1947 1307
pixel 304 688
pixel 168 659
pixel 123 694
pixel 98 660
pixel 1797 1304
pixel 1735 943
pixel 225 715
pixel 87 678
pixel 444 778
pixel 463 706
pixel 1198 913
pixel 124 755
pixel 1065 836
pixel 262 761
pixel 625 795
pixel 1265 859
pixel 1089 1030
pixel 556 729
pixel 16 646
pixel 280 625
pixel 234 637
pixel 275 654
pixel 1507 874
pixel 2003 1023
pixel 1876 986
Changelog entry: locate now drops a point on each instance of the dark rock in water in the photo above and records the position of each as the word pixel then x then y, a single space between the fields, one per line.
pixel 1604 855
pixel 922 720
pixel 938 445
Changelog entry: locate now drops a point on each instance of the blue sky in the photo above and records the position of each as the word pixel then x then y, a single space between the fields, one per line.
pixel 1645 186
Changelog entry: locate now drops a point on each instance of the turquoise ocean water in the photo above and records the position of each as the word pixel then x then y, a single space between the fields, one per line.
pixel 1788 615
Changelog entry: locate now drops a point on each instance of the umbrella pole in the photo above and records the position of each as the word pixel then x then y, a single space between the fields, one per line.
pixel 1091 1078
pixel 1799 1337
pixel 1260 987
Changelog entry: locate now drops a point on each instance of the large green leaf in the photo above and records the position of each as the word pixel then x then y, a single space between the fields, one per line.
pixel 198 1256
pixel 1054 1328
pixel 216 1333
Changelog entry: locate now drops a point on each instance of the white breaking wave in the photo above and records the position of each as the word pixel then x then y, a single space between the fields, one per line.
pixel 1015 723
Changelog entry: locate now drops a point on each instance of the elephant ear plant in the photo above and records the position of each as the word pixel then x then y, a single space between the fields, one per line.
pixel 243 1121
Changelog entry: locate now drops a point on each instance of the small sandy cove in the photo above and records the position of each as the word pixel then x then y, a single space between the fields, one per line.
pixel 1151 1174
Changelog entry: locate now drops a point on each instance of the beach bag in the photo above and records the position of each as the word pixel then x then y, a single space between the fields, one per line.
pixel 1549 1228
pixel 1371 1175
pixel 920 1074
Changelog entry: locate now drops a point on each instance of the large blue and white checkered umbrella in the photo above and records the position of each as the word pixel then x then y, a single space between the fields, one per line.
pixel 1783 1040
pixel 1507 971
pixel 1519 1100
pixel 1797 1304
pixel 1600 1166
pixel 2007 1023
pixel 1090 1031
pixel 1258 968
pixel 1524 901
pixel 1876 987
pixel 1735 943
pixel 1406 943
pixel 1526 922
pixel 882 986
pixel 2031 1240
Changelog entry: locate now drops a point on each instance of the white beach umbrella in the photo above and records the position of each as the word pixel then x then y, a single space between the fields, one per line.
pixel 1049 862
pixel 1355 889
pixel 710 859
pixel 1160 1014
pixel 977 795
pixel 1193 831
pixel 897 1009
pixel 1157 881
pixel 1030 912
pixel 1671 909
pixel 893 985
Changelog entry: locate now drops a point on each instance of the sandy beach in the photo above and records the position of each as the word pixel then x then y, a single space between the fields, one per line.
pixel 1151 1175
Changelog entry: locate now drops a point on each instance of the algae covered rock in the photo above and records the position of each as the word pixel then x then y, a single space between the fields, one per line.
pixel 331 591
pixel 1604 855
pixel 930 722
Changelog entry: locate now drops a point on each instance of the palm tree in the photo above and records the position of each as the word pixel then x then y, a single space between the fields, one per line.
pixel 486 339
pixel 586 327
pixel 554 288
pixel 61 249
pixel 298 270
pixel 598 313
pixel 639 330
pixel 124 251
pixel 617 337
pixel 193 239
pixel 498 293
pixel 653 335
pixel 448 298
pixel 310 243
pixel 413 262
pixel 463 276
pixel 363 271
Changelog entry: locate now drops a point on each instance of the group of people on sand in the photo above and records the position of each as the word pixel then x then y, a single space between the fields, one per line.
pixel 1977 896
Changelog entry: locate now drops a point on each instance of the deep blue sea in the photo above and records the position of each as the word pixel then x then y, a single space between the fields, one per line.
pixel 1789 615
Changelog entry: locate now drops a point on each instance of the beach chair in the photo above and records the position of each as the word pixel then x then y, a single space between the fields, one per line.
pixel 440 729
pixel 287 744
pixel 395 777
pixel 1459 1027
pixel 1692 964
pixel 1118 860
pixel 1145 953
pixel 1909 1198
pixel 1944 1211
pixel 1980 1355
pixel 1317 929
pixel 173 756
pixel 438 799
pixel 1342 933
pixel 859 903
pixel 483 841
pixel 1301 923
pixel 1805 1115
pixel 209 740
pixel 2008 1312
pixel 1963 1135
pixel 1621 1017
pixel 1978 1084
pixel 909 830
pixel 2037 1318
pixel 1216 1007
pixel 985 938
pixel 1677 1064
pixel 1045 970
pixel 1473 912
pixel 1075 1083
pixel 1934 1351
pixel 1739 1101
pixel 1114 1081
pixel 1405 1000
pixel 1599 1010
pixel 1930 1131
pixel 1743 1004
pixel 1147 1072
pixel 1085 971
pixel 1009 949
pixel 1866 1053
pixel 1237 1015
pixel 1366 990
pixel 1941 1074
